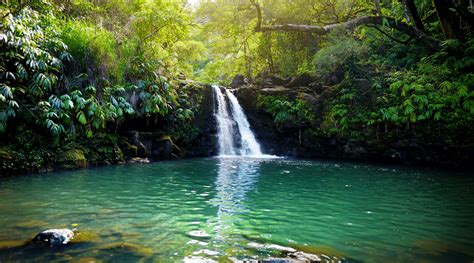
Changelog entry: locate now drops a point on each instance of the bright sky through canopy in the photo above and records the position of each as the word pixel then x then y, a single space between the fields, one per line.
pixel 193 2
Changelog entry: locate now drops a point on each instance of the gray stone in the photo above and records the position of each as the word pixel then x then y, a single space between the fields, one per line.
pixel 275 81
pixel 54 237
pixel 239 80
pixel 302 80
pixel 139 160
pixel 305 257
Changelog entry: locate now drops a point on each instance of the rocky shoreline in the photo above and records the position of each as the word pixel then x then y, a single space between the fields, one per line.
pixel 54 239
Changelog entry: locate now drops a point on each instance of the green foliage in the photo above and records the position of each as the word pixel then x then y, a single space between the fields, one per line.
pixel 286 112
pixel 437 93
pixel 31 65
pixel 43 84
pixel 92 45
pixel 339 52
pixel 79 69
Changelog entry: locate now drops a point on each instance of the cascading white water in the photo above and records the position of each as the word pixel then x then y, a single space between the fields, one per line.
pixel 226 133
pixel 224 125
pixel 250 145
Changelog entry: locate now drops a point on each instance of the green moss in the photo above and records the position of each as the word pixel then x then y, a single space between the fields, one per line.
pixel 73 158
pixel 11 244
pixel 130 150
pixel 130 247
pixel 85 237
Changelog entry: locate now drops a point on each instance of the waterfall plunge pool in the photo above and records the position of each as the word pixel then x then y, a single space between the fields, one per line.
pixel 219 208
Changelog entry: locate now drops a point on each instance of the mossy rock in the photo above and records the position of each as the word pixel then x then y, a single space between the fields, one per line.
pixel 7 161
pixel 6 244
pixel 87 260
pixel 85 237
pixel 73 158
pixel 130 150
pixel 128 247
pixel 5 154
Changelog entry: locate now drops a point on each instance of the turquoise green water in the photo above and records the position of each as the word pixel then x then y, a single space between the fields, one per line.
pixel 213 208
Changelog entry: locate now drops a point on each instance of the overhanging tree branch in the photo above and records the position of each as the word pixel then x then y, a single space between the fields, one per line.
pixel 404 42
pixel 413 32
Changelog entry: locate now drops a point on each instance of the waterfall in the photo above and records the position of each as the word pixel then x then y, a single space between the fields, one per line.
pixel 250 145
pixel 225 126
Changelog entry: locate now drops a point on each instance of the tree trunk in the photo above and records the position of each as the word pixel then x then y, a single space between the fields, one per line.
pixel 449 21
pixel 413 13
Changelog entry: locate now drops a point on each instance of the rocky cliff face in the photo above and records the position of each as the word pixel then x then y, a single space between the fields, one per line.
pixel 206 141
pixel 281 140
pixel 146 140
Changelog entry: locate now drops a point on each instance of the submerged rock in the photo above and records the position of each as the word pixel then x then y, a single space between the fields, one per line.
pixel 85 237
pixel 54 237
pixel 125 247
pixel 280 260
pixel 271 247
pixel 305 257
pixel 198 259
pixel 11 244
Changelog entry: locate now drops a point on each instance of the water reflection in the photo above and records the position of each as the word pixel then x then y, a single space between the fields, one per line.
pixel 236 177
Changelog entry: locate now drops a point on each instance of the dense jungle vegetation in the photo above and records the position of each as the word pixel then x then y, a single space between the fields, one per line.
pixel 73 72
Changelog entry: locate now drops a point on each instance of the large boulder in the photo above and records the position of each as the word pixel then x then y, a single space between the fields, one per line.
pixel 300 81
pixel 54 237
pixel 275 81
pixel 143 142
pixel 164 147
pixel 239 80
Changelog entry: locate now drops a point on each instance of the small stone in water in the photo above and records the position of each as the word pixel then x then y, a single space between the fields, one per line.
pixel 300 255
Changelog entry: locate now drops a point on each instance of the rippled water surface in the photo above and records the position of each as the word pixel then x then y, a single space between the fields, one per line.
pixel 213 208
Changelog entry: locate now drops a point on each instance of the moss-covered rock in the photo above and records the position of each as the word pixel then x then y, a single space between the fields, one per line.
pixel 129 150
pixel 125 247
pixel 6 161
pixel 72 159
pixel 5 154
pixel 85 237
